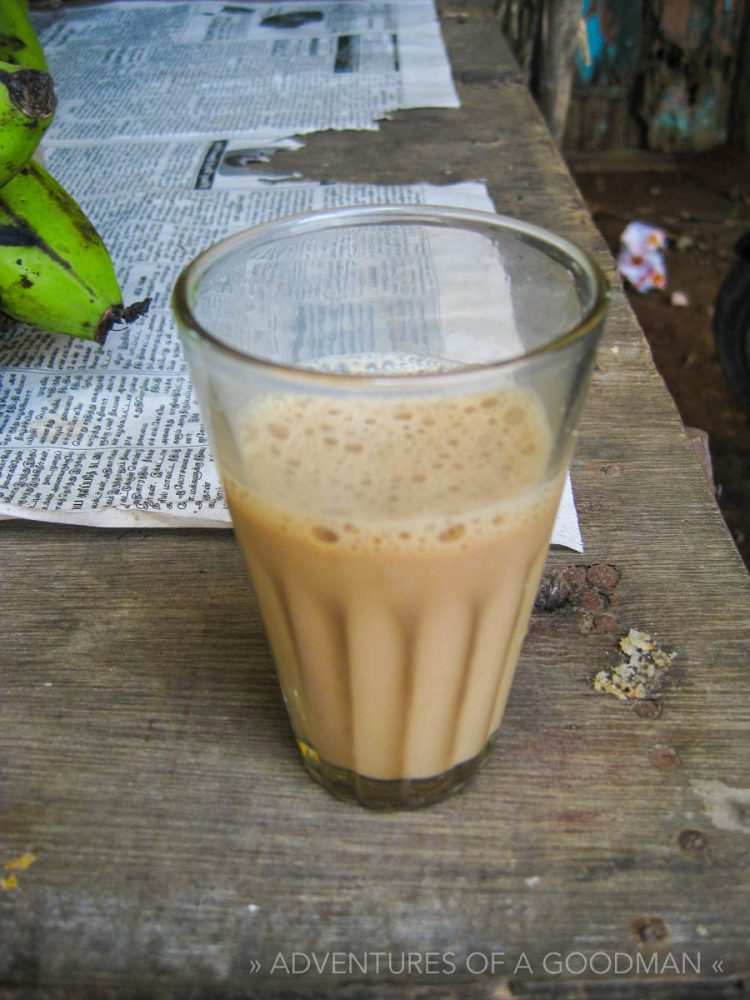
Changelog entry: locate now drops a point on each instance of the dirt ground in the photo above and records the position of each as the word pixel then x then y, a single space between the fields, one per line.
pixel 703 203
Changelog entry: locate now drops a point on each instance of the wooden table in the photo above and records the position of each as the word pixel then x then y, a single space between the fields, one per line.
pixel 177 848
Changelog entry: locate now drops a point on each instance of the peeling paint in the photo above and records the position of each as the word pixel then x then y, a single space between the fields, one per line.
pixel 613 33
pixel 594 42
pixel 661 70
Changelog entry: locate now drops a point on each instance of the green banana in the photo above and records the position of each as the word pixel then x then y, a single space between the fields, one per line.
pixel 55 272
pixel 18 41
pixel 27 107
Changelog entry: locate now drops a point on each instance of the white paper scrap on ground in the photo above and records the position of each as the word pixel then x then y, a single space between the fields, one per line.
pixel 641 258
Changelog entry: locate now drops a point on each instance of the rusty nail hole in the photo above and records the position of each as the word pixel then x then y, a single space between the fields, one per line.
pixel 649 930
pixel 692 840
pixel 555 592
pixel 612 470
pixel 589 600
pixel 574 577
pixel 603 576
pixel 605 624
pixel 663 757
pixel 647 708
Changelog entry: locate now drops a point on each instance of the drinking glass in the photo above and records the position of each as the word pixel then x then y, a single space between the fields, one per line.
pixel 391 395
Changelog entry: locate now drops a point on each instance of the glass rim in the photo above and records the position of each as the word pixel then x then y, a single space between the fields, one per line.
pixel 289 226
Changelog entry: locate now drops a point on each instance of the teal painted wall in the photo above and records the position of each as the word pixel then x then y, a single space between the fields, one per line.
pixel 657 73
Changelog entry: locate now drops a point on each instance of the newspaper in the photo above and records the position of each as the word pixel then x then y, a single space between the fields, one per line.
pixel 112 436
pixel 258 70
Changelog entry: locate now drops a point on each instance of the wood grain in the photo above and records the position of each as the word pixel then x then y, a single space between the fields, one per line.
pixel 147 761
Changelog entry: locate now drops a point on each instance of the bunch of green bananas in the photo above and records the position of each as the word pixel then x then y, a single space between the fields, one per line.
pixel 55 271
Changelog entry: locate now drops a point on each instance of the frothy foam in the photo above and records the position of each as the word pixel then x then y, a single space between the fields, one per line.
pixel 368 473
pixel 385 364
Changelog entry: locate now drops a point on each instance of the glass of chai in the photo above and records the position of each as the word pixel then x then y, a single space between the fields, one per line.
pixel 391 394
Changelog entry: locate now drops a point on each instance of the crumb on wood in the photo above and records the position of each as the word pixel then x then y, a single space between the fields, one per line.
pixel 641 671
pixel 21 863
pixel 18 864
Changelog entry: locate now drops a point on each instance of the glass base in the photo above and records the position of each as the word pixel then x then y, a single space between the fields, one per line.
pixel 401 793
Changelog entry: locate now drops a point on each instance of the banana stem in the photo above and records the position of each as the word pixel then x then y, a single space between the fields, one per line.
pixel 120 314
